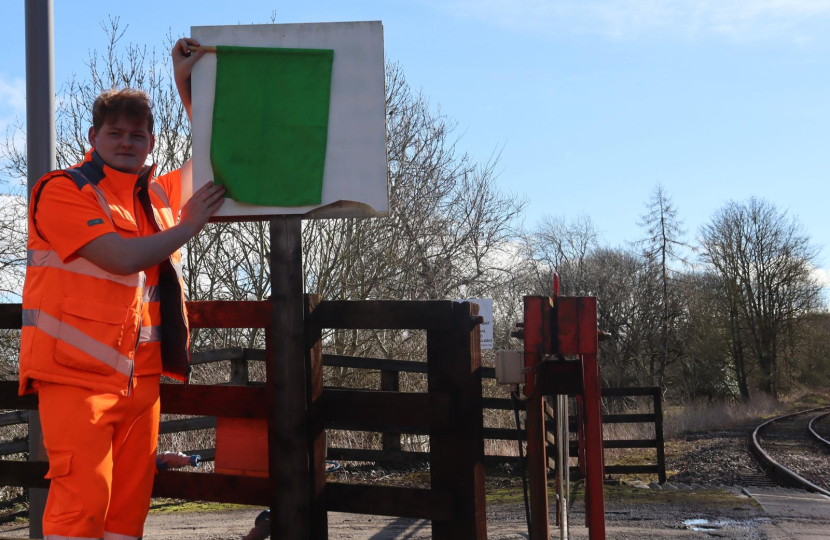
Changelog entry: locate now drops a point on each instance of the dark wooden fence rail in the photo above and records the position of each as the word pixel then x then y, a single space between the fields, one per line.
pixel 391 450
pixel 391 441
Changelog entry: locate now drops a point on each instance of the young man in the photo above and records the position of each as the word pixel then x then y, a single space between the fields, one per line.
pixel 104 314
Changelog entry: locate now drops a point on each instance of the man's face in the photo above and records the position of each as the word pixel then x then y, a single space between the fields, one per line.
pixel 124 144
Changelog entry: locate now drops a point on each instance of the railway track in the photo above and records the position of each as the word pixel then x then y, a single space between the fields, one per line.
pixel 817 434
pixel 795 448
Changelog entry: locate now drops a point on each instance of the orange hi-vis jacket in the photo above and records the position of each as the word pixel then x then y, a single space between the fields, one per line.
pixel 81 324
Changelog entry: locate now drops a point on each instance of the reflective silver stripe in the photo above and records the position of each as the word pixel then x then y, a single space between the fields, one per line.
pixel 59 537
pixel 178 268
pixel 72 336
pixel 102 200
pixel 159 191
pixel 149 333
pixel 152 293
pixel 30 317
pixel 47 257
pixel 115 536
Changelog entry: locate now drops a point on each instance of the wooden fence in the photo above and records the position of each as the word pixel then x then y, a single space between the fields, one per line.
pixel 449 413
pixel 391 451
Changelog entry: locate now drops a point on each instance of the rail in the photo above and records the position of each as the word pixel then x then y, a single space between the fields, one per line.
pixel 785 474
pixel 814 433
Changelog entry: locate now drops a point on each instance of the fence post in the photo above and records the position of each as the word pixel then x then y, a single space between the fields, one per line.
pixel 317 429
pixel 390 382
pixel 288 463
pixel 456 452
pixel 37 496
pixel 658 433
pixel 239 370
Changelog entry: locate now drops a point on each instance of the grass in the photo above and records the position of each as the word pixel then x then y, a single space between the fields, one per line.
pixel 623 495
pixel 809 399
pixel 14 510
pixel 707 498
pixel 175 506
pixel 705 416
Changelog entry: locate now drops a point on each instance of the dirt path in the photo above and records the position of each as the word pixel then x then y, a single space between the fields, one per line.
pixel 631 514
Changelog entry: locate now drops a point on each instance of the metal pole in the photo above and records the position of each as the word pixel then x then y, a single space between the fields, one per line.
pixel 40 90
pixel 40 159
pixel 562 475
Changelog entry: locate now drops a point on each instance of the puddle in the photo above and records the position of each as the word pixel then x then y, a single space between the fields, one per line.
pixel 705 525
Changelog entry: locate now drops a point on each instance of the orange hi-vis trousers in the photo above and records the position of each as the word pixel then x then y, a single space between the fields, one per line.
pixel 102 459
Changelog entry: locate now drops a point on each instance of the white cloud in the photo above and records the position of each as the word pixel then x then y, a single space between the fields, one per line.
pixel 13 95
pixel 12 112
pixel 822 276
pixel 12 106
pixel 738 20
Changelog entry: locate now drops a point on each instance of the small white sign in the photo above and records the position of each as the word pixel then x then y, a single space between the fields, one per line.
pixel 485 310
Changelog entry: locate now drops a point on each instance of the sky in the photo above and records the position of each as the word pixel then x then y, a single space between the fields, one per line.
pixel 590 103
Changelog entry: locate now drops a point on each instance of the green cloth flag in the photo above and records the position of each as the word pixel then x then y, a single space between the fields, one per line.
pixel 270 124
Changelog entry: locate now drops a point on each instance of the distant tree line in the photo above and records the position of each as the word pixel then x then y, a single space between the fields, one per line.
pixel 734 311
pixel 738 310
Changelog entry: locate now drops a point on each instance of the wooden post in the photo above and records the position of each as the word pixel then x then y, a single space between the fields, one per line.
pixel 239 371
pixel 37 496
pixel 317 429
pixel 457 449
pixel 658 434
pixel 390 382
pixel 288 460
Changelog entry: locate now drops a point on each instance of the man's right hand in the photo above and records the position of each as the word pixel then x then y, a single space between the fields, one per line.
pixel 204 202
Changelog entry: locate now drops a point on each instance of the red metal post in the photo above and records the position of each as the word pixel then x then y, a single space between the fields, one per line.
pixel 537 313
pixel 594 458
pixel 555 328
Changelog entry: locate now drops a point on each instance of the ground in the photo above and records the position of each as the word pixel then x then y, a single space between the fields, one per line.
pixel 632 513
pixel 719 457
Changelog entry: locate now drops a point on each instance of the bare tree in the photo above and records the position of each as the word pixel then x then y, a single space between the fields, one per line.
pixel 558 245
pixel 626 296
pixel 765 260
pixel 660 246
pixel 707 366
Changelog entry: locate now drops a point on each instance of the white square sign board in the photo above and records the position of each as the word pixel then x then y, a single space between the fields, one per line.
pixel 355 173
pixel 485 311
